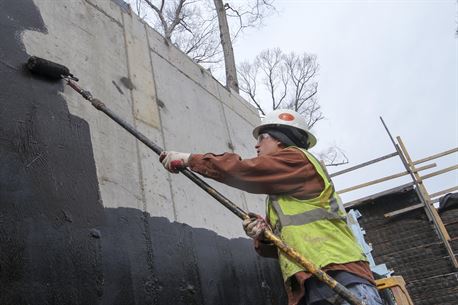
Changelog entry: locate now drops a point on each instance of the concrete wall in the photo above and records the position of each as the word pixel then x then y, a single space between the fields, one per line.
pixel 88 215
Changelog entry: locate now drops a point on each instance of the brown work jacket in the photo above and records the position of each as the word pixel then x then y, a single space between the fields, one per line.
pixel 287 172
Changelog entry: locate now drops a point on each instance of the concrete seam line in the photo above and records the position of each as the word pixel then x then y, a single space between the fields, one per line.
pixel 161 129
pixel 215 96
pixel 105 13
pixel 134 123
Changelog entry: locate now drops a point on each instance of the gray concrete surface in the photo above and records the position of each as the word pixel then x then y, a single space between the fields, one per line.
pixel 102 44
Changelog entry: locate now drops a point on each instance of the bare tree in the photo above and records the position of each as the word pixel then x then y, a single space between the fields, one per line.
pixel 333 156
pixel 226 43
pixel 193 25
pixel 288 81
pixel 187 24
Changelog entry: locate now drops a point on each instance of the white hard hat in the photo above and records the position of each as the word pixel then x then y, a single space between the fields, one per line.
pixel 285 118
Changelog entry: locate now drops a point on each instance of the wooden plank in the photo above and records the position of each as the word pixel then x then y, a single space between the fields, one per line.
pixel 408 209
pixel 363 164
pixel 442 171
pixel 398 189
pixel 449 190
pixel 404 210
pixel 436 156
pixel 386 178
pixel 424 197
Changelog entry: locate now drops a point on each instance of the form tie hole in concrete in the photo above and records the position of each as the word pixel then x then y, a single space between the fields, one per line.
pixel 127 83
pixel 95 233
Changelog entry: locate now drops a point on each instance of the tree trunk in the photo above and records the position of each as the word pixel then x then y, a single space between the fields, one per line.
pixel 229 61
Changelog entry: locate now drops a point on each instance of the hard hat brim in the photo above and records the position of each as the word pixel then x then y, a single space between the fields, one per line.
pixel 311 138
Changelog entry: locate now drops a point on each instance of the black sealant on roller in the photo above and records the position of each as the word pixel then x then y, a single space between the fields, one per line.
pixel 48 69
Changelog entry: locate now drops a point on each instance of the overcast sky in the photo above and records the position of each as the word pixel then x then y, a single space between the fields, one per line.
pixel 395 59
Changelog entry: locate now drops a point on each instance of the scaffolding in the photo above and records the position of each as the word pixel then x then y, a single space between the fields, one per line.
pixel 427 200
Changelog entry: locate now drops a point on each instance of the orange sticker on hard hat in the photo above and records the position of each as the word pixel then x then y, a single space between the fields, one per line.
pixel 286 116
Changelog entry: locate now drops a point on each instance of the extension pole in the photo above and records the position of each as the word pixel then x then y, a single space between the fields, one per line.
pixel 52 70
pixel 268 234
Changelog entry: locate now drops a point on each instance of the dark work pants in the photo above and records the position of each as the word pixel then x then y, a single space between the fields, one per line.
pixel 318 293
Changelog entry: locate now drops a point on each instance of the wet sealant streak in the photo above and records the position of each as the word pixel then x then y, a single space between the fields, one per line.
pixel 60 246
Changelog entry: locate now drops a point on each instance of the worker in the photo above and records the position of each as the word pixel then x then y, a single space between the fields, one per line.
pixel 302 208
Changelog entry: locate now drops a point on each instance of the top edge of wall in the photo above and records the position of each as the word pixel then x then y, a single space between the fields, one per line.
pixel 192 69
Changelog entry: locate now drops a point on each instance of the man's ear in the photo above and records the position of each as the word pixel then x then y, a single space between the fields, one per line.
pixel 280 144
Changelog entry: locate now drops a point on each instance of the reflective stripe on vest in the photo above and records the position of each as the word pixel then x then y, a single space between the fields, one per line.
pixel 306 217
pixel 309 216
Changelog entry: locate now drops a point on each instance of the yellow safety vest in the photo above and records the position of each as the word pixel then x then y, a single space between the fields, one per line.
pixel 315 227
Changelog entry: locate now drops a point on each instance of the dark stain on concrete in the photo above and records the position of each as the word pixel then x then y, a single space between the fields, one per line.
pixel 127 83
pixel 59 245
pixel 160 103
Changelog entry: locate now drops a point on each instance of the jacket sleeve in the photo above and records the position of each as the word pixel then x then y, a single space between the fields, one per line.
pixel 286 172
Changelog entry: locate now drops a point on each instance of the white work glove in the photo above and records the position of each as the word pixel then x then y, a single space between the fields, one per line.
pixel 254 226
pixel 174 161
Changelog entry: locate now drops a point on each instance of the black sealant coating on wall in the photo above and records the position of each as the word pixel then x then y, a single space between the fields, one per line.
pixel 59 245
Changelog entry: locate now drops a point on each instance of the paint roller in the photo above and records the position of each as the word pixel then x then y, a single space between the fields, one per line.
pixel 48 69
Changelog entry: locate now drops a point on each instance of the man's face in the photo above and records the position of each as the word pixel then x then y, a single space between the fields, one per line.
pixel 267 145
